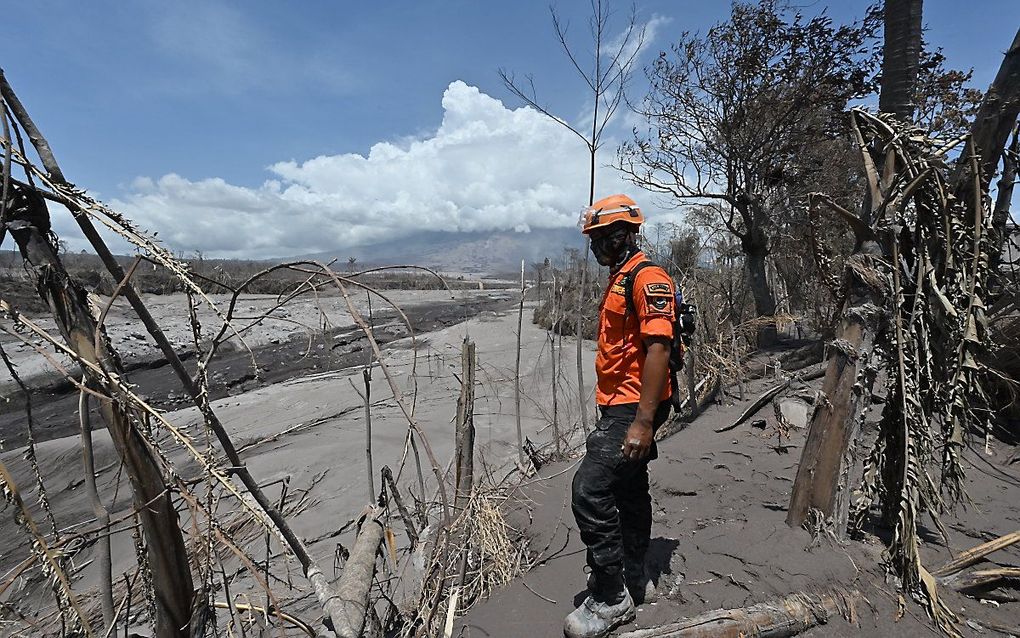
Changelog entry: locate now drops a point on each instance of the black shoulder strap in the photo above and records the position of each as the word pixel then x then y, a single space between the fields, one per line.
pixel 628 285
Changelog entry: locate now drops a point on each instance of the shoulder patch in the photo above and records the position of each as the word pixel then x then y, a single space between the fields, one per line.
pixel 658 304
pixel 657 288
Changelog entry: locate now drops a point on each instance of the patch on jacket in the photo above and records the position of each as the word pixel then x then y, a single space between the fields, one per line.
pixel 659 304
pixel 618 289
pixel 658 288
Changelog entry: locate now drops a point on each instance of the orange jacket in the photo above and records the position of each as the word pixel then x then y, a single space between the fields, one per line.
pixel 621 351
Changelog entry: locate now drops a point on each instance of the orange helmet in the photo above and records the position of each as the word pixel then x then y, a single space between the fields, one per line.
pixel 615 208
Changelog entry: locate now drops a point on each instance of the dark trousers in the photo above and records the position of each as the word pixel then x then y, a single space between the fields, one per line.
pixel 610 498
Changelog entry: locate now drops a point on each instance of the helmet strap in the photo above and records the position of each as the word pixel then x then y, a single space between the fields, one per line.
pixel 624 256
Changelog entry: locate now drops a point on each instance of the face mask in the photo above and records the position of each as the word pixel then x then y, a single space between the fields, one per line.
pixel 611 249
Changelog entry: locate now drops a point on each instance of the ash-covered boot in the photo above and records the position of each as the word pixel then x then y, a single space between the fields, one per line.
pixel 607 607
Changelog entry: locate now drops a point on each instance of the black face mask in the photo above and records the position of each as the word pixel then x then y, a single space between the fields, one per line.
pixel 612 248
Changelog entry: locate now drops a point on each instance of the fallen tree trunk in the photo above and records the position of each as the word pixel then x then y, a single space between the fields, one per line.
pixel 346 604
pixel 767 396
pixel 982 580
pixel 788 616
pixel 977 554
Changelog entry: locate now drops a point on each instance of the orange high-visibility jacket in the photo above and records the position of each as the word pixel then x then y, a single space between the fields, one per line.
pixel 621 352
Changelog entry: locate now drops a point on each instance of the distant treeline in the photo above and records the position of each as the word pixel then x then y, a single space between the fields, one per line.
pixel 214 275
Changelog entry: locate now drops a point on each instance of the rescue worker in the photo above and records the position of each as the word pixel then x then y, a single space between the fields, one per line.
pixel 610 499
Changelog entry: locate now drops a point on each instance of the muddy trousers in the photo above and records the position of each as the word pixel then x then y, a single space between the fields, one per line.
pixel 610 499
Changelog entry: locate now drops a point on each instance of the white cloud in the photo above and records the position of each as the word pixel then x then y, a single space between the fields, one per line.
pixel 636 42
pixel 486 168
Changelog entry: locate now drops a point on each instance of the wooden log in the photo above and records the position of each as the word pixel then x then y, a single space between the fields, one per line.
pixel 765 397
pixel 346 604
pixel 981 580
pixel 977 554
pixel 682 419
pixel 788 616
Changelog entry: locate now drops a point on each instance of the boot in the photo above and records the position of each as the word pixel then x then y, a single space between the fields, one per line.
pixel 607 607
pixel 640 584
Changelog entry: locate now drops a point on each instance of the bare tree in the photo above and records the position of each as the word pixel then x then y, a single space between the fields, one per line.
pixel 605 76
pixel 731 112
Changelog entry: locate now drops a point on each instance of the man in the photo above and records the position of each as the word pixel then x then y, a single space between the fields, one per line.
pixel 610 499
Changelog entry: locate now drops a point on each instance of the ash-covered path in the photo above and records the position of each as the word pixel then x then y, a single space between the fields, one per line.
pixel 285 348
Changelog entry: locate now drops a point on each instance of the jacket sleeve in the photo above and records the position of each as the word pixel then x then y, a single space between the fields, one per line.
pixel 653 302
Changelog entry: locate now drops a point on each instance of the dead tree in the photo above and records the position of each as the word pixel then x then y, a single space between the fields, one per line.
pixel 367 377
pixel 827 455
pixel 733 116
pixel 69 300
pixel 915 308
pixel 611 68
pixel 29 223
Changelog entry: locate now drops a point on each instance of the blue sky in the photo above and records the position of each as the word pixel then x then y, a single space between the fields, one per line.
pixel 209 121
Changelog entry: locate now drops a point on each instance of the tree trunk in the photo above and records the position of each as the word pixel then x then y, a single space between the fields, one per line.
pixel 582 405
pixel 828 463
pixel 823 476
pixel 901 54
pixel 764 301
pixel 553 334
pixel 756 251
pixel 168 558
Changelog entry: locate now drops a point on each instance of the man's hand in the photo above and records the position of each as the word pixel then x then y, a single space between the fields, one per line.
pixel 637 445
